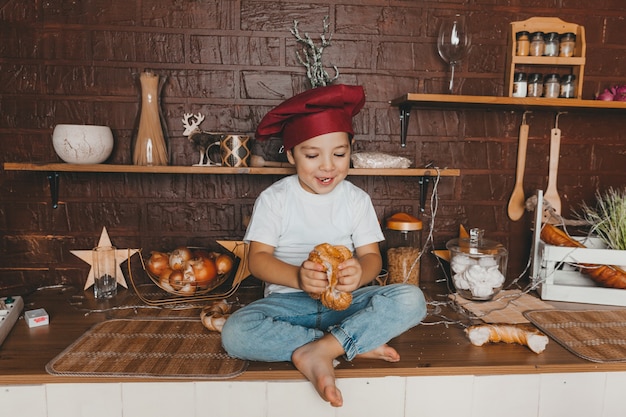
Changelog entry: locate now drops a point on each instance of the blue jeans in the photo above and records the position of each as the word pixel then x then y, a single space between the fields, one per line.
pixel 272 328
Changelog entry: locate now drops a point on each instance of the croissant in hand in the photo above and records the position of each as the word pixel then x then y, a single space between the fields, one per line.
pixel 607 275
pixel 330 257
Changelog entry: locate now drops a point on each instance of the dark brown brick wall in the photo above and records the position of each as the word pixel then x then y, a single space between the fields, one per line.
pixel 76 62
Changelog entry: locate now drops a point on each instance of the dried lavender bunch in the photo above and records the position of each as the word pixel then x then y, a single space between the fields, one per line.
pixel 311 56
pixel 608 217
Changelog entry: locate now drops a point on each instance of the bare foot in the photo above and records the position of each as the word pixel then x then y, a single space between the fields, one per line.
pixel 315 361
pixel 384 352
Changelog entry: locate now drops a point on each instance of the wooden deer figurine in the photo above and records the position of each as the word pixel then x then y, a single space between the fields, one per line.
pixel 201 139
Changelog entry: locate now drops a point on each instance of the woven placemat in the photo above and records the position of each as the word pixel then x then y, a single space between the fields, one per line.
pixel 595 335
pixel 147 348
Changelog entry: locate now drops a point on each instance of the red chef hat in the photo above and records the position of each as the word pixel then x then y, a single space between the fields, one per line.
pixel 312 113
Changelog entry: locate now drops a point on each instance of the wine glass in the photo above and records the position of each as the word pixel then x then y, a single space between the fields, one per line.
pixel 453 43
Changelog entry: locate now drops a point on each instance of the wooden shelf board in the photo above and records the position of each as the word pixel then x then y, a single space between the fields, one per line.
pixel 452 101
pixel 169 169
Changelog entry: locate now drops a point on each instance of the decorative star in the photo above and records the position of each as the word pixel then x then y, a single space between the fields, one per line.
pixel 240 250
pixel 121 255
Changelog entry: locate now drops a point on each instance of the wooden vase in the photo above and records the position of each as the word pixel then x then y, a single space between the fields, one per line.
pixel 150 147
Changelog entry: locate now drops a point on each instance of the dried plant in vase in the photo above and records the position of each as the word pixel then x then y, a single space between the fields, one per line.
pixel 311 56
pixel 608 217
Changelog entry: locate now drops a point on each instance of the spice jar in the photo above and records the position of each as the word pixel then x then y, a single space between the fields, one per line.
pixel 522 43
pixel 567 44
pixel 519 84
pixel 551 86
pixel 537 44
pixel 568 86
pixel 403 235
pixel 478 266
pixel 535 85
pixel 551 41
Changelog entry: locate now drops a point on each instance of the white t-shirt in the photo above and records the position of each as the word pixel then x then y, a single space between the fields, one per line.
pixel 294 221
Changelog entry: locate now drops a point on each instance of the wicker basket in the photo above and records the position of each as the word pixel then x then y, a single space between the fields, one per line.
pixel 194 290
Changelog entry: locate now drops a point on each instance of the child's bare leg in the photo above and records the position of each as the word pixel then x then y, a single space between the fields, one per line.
pixel 384 352
pixel 315 361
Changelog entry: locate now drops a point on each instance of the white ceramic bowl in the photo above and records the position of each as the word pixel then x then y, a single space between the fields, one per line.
pixel 82 144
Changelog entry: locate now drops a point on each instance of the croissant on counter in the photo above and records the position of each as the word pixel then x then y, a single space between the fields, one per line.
pixel 214 316
pixel 507 333
pixel 606 275
pixel 331 256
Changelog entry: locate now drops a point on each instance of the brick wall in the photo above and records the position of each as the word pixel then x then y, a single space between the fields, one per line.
pixel 77 62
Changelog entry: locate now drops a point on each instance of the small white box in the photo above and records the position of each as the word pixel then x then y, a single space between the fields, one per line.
pixel 36 318
pixel 554 273
pixel 559 280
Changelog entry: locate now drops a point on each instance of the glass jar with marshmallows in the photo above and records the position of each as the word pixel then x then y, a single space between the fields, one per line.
pixel 477 265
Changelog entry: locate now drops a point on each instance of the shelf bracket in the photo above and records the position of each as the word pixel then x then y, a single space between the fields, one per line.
pixel 53 179
pixel 405 113
pixel 423 182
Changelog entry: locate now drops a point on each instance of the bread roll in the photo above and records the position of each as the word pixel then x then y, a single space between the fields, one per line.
pixel 507 333
pixel 330 257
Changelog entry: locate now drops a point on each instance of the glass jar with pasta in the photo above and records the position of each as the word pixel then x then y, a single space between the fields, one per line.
pixel 403 235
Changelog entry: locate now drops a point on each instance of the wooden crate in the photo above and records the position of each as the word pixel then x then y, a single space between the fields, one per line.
pixel 559 280
pixel 553 268
pixel 545 64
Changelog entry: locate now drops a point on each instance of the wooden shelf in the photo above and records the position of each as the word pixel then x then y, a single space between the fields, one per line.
pixel 515 103
pixel 451 101
pixel 169 169
pixel 567 65
pixel 52 170
pixel 555 61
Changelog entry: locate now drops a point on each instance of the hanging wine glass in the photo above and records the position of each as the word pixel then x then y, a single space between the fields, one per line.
pixel 453 43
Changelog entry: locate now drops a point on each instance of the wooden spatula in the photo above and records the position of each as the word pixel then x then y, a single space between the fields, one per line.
pixel 518 199
pixel 552 194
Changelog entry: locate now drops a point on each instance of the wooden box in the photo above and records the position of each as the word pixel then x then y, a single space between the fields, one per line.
pixel 559 280
pixel 545 64
pixel 554 274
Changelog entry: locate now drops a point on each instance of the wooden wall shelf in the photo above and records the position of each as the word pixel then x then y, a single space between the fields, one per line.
pixel 53 169
pixel 561 65
pixel 212 170
pixel 450 101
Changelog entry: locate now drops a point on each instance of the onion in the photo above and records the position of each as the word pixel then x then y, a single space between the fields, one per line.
pixel 187 289
pixel 224 264
pixel 620 93
pixel 179 256
pixel 204 271
pixel 177 279
pixel 605 96
pixel 165 275
pixel 158 263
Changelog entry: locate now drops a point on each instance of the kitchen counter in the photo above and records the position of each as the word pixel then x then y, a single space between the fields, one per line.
pixel 434 349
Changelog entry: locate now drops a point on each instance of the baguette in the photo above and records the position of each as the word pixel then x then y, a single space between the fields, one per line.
pixel 507 333
pixel 606 275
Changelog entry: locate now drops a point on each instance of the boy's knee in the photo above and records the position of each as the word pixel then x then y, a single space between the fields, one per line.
pixel 412 298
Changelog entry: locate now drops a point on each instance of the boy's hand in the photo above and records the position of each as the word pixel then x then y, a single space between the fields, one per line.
pixel 312 278
pixel 349 275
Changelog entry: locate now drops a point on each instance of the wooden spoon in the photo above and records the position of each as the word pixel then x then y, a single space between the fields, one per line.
pixel 552 194
pixel 518 199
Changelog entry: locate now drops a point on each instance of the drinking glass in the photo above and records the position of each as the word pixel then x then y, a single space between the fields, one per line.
pixel 453 43
pixel 104 268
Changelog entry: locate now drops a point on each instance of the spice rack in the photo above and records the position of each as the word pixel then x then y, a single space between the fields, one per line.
pixel 545 64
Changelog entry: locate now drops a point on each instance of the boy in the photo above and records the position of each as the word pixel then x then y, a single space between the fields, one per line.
pixel 289 219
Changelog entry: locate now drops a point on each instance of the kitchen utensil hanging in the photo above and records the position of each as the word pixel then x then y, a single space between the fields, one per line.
pixel 517 200
pixel 551 195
